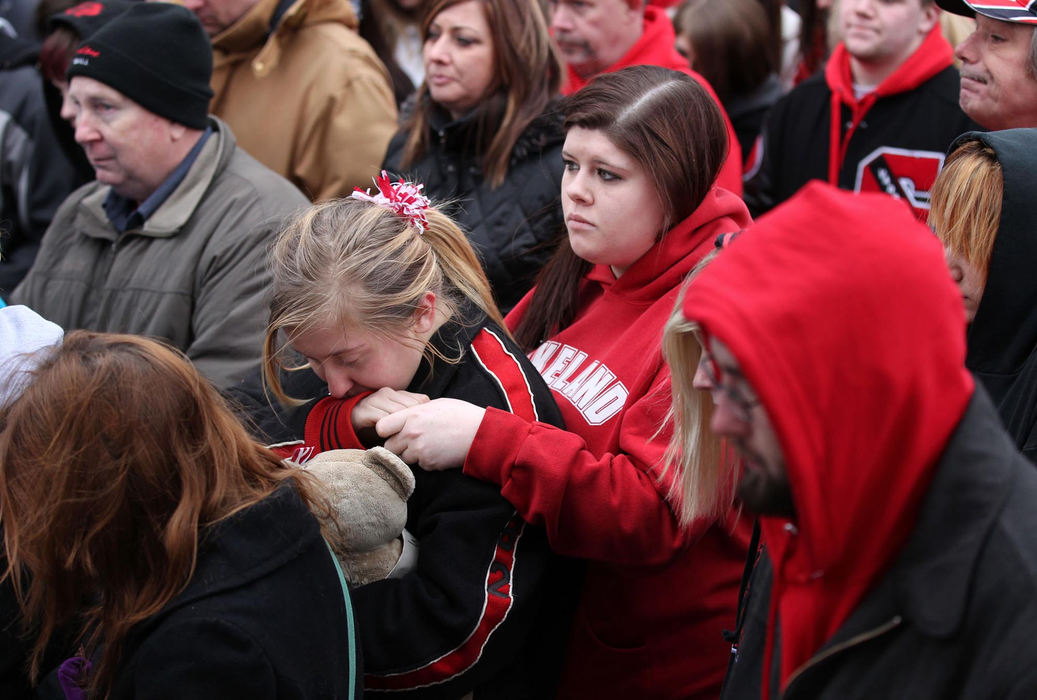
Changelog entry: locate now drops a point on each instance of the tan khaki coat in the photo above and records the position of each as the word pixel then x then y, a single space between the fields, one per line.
pixel 311 101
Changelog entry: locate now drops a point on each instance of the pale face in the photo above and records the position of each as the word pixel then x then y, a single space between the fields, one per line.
pixel 129 147
pixel 217 15
pixel 884 32
pixel 353 360
pixel 612 209
pixel 593 34
pixel 740 418
pixel 971 280
pixel 997 89
pixel 460 63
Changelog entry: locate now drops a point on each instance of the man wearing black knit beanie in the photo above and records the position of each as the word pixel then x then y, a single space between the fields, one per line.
pixel 171 239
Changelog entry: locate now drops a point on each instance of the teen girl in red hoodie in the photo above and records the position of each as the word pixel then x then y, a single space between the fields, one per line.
pixel 643 149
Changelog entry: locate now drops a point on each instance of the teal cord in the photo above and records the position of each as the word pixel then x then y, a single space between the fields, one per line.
pixel 349 618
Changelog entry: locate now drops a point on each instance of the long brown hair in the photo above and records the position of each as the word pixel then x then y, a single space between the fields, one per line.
pixel 112 462
pixel 732 44
pixel 673 128
pixel 529 74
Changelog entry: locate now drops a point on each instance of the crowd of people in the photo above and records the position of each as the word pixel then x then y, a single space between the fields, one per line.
pixel 705 331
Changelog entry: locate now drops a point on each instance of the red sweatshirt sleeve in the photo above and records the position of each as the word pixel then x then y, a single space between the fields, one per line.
pixel 608 508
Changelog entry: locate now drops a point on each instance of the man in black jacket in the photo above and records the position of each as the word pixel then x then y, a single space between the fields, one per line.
pixel 900 537
pixel 879 118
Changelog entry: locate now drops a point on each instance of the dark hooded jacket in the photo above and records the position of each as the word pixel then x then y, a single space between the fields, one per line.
pixel 908 568
pixel 1002 339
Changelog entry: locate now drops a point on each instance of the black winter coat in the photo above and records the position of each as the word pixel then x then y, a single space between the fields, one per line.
pixel 515 227
pixel 263 617
pixel 955 615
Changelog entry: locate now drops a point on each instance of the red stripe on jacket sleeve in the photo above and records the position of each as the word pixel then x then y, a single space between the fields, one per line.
pixel 497 601
pixel 506 370
pixel 328 424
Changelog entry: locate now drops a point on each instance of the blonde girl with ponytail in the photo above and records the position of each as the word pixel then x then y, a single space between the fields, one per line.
pixel 382 296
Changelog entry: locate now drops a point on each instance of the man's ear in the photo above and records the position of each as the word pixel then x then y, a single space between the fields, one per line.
pixel 930 18
pixel 176 131
pixel 425 315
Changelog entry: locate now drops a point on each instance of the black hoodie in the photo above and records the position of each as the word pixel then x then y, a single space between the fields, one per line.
pixel 1002 340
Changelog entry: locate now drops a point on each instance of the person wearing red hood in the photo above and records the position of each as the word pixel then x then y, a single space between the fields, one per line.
pixel 896 514
pixel 601 36
pixel 879 118
pixel 642 150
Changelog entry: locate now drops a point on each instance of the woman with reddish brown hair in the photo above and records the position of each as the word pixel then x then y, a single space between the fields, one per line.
pixel 141 521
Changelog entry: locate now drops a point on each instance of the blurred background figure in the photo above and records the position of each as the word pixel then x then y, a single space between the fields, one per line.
pixel 40 163
pixel 183 557
pixel 879 118
pixel 984 213
pixel 64 26
pixel 731 44
pixel 818 35
pixel 483 133
pixel 643 148
pixel 393 29
pixel 304 94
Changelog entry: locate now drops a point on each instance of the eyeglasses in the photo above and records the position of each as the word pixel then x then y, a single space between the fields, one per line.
pixel 741 405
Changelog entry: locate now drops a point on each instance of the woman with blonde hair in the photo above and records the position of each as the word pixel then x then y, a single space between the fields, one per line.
pixel 484 134
pixel 385 301
pixel 142 525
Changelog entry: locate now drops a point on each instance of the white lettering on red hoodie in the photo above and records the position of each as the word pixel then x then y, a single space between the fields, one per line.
pixel 655 597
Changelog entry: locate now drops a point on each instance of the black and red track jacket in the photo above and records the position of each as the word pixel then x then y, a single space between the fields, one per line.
pixel 484 610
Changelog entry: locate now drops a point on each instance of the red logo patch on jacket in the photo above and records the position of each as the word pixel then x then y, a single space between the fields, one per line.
pixel 902 173
pixel 86 9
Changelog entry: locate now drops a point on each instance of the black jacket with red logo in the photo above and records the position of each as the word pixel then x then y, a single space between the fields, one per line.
pixel 890 140
pixel 486 609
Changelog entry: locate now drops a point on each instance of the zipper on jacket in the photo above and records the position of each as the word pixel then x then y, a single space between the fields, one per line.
pixel 843 646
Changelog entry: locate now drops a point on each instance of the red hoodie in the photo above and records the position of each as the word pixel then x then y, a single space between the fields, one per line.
pixel 652 607
pixel 845 322
pixel 932 56
pixel 655 48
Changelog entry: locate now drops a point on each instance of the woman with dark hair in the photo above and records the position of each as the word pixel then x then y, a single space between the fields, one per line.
pixel 484 134
pixel 729 42
pixel 183 556
pixel 642 152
